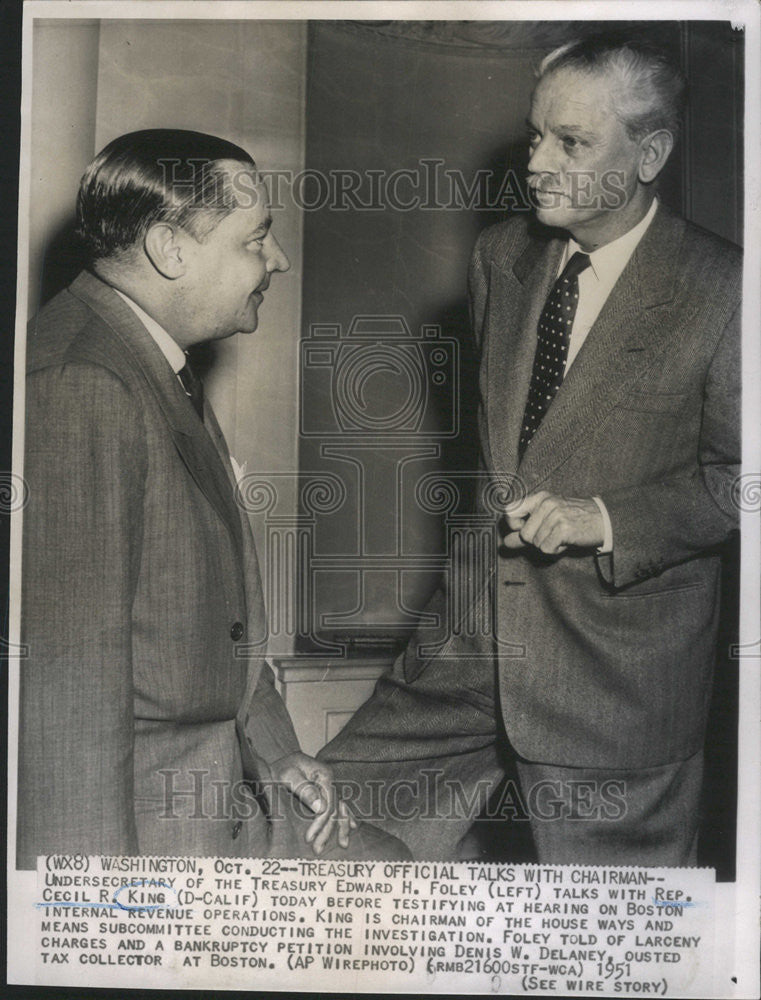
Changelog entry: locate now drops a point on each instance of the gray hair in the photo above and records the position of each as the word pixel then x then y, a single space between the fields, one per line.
pixel 651 91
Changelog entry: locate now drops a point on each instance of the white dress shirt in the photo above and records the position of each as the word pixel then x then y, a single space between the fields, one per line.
pixel 595 285
pixel 166 344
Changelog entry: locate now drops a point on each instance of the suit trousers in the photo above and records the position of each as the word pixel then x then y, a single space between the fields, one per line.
pixel 594 816
pixel 422 758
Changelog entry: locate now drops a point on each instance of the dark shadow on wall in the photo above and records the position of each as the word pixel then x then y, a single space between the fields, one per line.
pixel 718 831
pixel 461 452
pixel 62 261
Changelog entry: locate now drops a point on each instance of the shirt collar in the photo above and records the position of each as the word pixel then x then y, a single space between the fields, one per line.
pixel 168 347
pixel 608 261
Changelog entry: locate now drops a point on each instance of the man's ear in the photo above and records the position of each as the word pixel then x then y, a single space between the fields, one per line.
pixel 655 151
pixel 163 248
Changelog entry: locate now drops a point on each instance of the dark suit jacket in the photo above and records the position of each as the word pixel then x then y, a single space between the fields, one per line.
pixel 618 650
pixel 141 605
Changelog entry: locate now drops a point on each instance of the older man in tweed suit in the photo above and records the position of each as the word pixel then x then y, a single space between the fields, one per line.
pixel 610 366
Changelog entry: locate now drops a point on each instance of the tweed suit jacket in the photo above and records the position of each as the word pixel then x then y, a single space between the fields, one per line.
pixel 145 700
pixel 606 661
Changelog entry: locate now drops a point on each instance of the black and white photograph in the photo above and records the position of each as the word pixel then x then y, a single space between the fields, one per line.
pixel 384 535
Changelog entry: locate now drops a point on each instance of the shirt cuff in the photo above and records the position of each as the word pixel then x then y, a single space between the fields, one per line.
pixel 607 530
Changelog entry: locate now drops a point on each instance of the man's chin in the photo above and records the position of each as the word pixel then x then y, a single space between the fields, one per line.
pixel 557 216
pixel 251 321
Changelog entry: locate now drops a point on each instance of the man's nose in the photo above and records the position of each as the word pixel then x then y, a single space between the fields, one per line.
pixel 276 258
pixel 541 160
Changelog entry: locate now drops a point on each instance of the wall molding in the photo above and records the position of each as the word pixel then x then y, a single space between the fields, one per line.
pixel 464 37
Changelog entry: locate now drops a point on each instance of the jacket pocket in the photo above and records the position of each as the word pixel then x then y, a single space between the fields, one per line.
pixel 654 402
pixel 634 591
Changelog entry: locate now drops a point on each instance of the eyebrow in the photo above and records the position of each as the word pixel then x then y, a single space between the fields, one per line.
pixel 559 129
pixel 262 228
pixel 576 129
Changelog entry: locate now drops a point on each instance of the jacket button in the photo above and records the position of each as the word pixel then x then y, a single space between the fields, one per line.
pixel 237 828
pixel 236 631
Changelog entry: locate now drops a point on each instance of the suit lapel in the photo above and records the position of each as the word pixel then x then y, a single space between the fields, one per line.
pixel 253 577
pixel 516 299
pixel 257 616
pixel 624 342
pixel 192 440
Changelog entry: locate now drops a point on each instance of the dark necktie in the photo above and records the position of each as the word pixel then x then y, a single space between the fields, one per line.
pixel 553 337
pixel 193 387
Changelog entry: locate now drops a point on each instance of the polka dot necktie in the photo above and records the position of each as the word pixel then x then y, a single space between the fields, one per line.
pixel 553 336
